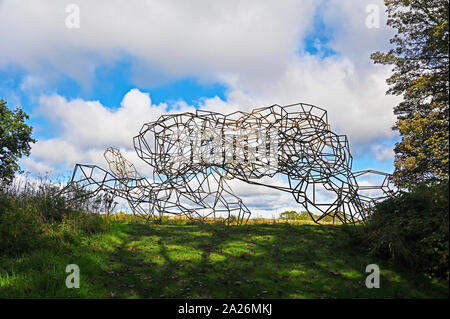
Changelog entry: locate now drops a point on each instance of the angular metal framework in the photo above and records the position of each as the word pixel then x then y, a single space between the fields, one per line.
pixel 194 155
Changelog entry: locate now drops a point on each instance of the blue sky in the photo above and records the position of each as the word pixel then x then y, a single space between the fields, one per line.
pixel 111 81
pixel 109 85
pixel 159 57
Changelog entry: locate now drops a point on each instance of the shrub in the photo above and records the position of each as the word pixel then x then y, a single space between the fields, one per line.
pixel 293 215
pixel 34 216
pixel 19 226
pixel 412 229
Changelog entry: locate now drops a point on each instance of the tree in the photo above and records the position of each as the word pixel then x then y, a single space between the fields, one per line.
pixel 293 215
pixel 15 139
pixel 420 59
pixel 289 215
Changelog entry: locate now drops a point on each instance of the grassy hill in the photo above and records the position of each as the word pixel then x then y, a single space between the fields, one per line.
pixel 121 257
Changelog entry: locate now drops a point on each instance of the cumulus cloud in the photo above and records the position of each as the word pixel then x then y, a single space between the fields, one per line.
pixel 356 102
pixel 37 167
pixel 354 35
pixel 383 153
pixel 87 128
pixel 253 41
pixel 167 38
pixel 31 83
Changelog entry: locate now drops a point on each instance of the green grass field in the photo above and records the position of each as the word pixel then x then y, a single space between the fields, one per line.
pixel 129 259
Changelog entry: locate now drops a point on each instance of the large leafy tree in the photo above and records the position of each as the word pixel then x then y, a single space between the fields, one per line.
pixel 420 58
pixel 15 140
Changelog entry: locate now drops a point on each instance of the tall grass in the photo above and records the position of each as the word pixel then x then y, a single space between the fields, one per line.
pixel 34 216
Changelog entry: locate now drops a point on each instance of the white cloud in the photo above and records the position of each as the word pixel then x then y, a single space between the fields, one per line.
pixel 31 82
pixel 87 128
pixel 37 167
pixel 356 102
pixel 167 38
pixel 383 153
pixel 88 124
pixel 351 36
pixel 253 41
pixel 55 151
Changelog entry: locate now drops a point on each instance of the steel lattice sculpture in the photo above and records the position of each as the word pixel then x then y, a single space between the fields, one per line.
pixel 193 155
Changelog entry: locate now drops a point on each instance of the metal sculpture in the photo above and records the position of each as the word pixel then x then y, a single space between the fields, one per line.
pixel 193 155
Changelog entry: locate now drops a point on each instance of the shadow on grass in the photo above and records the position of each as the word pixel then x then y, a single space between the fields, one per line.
pixel 176 260
pixel 253 261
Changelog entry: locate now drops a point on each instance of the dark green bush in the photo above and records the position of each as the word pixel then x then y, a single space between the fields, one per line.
pixel 412 229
